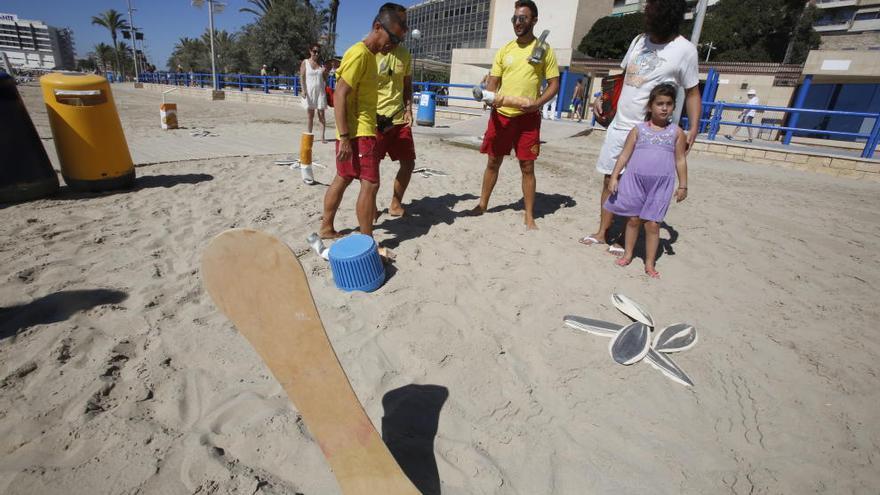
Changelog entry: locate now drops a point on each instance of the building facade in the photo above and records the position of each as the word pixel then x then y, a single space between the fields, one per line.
pixel 848 24
pixel 446 25
pixel 32 44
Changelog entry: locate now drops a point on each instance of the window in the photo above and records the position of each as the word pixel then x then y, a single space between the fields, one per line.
pixel 867 16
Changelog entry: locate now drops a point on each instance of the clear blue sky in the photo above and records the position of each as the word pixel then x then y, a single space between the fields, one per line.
pixel 166 21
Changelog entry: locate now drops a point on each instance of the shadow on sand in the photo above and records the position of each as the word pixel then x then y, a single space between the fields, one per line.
pixel 54 308
pixel 421 215
pixel 409 426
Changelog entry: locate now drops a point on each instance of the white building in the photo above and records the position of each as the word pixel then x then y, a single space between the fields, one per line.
pixel 34 45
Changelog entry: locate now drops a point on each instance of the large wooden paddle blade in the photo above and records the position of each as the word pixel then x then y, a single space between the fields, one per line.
pixel 258 283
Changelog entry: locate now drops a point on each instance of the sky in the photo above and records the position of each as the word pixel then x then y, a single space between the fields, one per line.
pixel 165 21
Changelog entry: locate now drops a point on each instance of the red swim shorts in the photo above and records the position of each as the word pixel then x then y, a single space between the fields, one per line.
pixel 363 163
pixel 522 133
pixel 397 143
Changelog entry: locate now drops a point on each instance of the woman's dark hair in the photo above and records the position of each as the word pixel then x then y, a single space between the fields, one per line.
pixel 662 89
pixel 664 17
pixel 527 3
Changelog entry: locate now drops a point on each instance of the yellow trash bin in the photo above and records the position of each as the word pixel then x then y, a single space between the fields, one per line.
pixel 88 134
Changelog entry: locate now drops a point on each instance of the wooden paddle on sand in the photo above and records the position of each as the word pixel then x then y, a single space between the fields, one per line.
pixel 259 284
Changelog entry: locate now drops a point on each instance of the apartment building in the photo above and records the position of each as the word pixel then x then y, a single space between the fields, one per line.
pixel 30 44
pixel 848 24
pixel 446 25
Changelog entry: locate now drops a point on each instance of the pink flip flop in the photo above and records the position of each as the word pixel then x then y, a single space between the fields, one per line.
pixel 622 261
pixel 652 273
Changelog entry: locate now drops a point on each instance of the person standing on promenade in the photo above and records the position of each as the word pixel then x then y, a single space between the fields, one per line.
pixel 660 55
pixel 355 101
pixel 311 73
pixel 519 127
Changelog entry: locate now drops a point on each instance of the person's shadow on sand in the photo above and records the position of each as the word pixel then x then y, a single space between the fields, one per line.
pixel 54 308
pixel 421 215
pixel 545 204
pixel 409 426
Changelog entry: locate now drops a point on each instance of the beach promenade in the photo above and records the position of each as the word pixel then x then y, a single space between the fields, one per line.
pixel 119 375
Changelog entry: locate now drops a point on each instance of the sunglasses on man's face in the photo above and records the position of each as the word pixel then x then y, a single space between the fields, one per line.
pixel 520 19
pixel 393 38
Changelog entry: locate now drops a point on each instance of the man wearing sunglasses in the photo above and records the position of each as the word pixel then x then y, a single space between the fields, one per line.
pixel 355 101
pixel 395 106
pixel 519 127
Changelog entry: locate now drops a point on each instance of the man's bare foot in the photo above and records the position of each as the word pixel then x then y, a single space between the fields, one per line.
pixel 329 234
pixel 530 224
pixel 396 211
pixel 475 211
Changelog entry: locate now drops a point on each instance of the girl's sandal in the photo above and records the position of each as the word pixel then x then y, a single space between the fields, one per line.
pixel 622 261
pixel 652 273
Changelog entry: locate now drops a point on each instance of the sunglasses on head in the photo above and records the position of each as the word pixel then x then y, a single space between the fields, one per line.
pixel 520 19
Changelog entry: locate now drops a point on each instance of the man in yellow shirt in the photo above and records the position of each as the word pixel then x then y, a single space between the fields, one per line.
pixel 395 106
pixel 355 100
pixel 518 127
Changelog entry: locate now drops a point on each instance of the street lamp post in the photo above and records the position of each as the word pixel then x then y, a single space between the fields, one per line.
pixel 416 35
pixel 133 41
pixel 211 8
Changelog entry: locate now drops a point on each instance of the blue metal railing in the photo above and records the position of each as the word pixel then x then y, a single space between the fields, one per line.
pixel 237 81
pixel 716 115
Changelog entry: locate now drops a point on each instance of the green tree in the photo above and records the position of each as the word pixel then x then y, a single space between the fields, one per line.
pixel 740 30
pixel 281 37
pixel 191 55
pixel 104 56
pixel 260 7
pixel 113 21
pixel 610 36
pixel 230 53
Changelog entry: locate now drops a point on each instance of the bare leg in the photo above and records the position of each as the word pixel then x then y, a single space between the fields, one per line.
pixel 366 206
pixel 632 234
pixel 490 177
pixel 605 216
pixel 652 243
pixel 529 184
pixel 404 173
pixel 311 113
pixel 332 198
pixel 323 126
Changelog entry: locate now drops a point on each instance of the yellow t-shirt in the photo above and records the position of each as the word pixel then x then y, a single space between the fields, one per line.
pixel 393 68
pixel 518 76
pixel 358 70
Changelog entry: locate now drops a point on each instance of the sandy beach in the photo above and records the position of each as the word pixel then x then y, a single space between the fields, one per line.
pixel 119 375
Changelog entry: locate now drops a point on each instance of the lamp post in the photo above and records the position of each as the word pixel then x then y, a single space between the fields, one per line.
pixel 416 35
pixel 211 9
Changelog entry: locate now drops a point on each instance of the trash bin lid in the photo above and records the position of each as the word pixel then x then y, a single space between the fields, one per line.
pixel 67 80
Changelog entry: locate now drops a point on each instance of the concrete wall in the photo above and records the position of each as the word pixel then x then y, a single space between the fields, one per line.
pixel 840 66
pixel 730 89
pixel 851 41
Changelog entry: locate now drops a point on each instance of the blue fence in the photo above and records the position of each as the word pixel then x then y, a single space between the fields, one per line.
pixel 715 110
pixel 713 117
pixel 240 82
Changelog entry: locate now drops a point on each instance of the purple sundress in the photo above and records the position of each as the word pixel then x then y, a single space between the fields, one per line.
pixel 646 188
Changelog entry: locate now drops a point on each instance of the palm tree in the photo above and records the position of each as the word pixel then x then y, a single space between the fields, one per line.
pixel 104 54
pixel 331 28
pixel 113 21
pixel 262 7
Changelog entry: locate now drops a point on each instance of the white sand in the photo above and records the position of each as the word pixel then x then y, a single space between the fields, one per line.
pixel 151 390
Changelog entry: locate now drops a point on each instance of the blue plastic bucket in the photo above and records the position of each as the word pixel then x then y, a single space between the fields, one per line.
pixel 355 263
pixel 427 108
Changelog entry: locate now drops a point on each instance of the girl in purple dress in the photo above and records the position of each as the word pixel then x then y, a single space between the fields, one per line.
pixel 654 153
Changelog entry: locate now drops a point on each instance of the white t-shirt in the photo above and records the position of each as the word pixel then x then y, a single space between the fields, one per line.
pixel 648 64
pixel 753 101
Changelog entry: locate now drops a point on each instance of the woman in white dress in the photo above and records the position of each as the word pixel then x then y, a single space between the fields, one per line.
pixel 311 76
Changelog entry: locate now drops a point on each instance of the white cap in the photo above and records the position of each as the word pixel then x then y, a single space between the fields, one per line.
pixel 751 92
